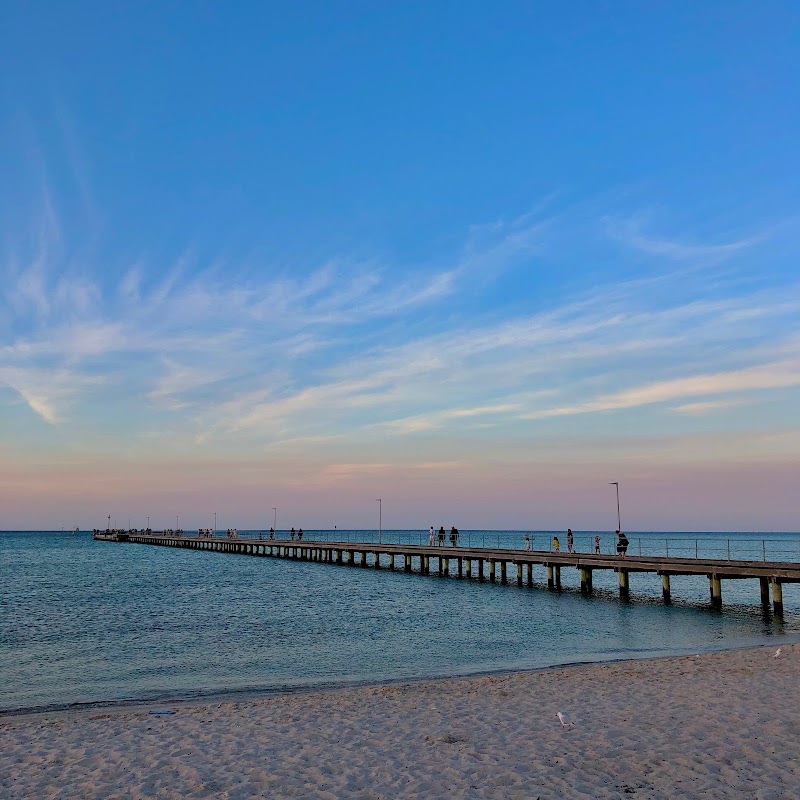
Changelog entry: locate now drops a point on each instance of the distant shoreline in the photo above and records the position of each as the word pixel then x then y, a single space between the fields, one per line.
pixel 582 531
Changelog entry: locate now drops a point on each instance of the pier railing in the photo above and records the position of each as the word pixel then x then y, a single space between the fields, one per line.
pixel 733 548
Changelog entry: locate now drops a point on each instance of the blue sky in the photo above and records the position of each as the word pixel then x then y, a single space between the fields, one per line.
pixel 477 260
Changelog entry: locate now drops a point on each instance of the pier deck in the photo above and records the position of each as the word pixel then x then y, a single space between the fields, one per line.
pixel 484 563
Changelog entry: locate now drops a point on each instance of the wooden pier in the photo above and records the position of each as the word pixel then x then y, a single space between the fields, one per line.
pixel 494 565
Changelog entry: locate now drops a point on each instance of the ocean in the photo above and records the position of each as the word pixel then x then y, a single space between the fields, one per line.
pixel 87 622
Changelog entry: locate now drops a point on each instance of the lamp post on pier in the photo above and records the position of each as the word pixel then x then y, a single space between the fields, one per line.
pixel 380 519
pixel 275 519
pixel 619 523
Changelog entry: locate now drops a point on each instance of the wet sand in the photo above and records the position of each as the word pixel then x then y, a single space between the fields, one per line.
pixel 721 725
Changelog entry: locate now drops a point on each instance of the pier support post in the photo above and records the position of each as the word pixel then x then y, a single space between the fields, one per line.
pixel 777 597
pixel 407 565
pixel 363 558
pixel 764 585
pixel 351 557
pixel 585 580
pixel 441 566
pixel 460 567
pixel 447 566
pixel 666 592
pixel 377 560
pixel 503 573
pixel 492 566
pixel 551 584
pixel 519 573
pixel 469 567
pixel 558 577
pixel 480 569
pixel 716 591
pixel 624 584
pixel 530 574
pixel 426 565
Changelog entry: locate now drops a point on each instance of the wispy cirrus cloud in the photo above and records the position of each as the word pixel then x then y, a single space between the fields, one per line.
pixel 761 377
pixel 358 348
pixel 708 406
pixel 633 232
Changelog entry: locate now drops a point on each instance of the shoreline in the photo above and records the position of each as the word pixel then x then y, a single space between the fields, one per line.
pixel 323 687
pixel 721 724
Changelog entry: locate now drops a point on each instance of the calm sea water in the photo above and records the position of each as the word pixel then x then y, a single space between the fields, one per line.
pixel 92 622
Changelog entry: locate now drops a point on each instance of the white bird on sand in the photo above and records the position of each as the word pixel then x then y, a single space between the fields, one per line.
pixel 777 653
pixel 563 719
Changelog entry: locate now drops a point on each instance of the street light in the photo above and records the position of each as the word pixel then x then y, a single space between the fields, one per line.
pixel 380 519
pixel 148 523
pixel 275 519
pixel 215 523
pixel 177 523
pixel 619 524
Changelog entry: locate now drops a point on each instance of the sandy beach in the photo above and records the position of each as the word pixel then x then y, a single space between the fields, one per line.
pixel 718 725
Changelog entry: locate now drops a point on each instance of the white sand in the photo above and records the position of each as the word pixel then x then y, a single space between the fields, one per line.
pixel 717 726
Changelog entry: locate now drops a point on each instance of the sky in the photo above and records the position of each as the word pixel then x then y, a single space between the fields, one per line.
pixel 475 259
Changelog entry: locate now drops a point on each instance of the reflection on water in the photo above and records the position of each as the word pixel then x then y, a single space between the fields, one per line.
pixel 88 621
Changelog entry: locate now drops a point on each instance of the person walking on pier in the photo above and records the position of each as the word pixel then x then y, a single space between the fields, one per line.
pixel 622 544
pixel 597 545
pixel 291 533
pixel 272 533
pixel 570 541
pixel 441 536
pixel 527 542
pixel 556 544
pixel 454 536
pixel 300 535
pixel 431 537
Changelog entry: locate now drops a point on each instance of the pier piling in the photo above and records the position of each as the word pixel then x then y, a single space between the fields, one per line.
pixel 777 597
pixel 624 584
